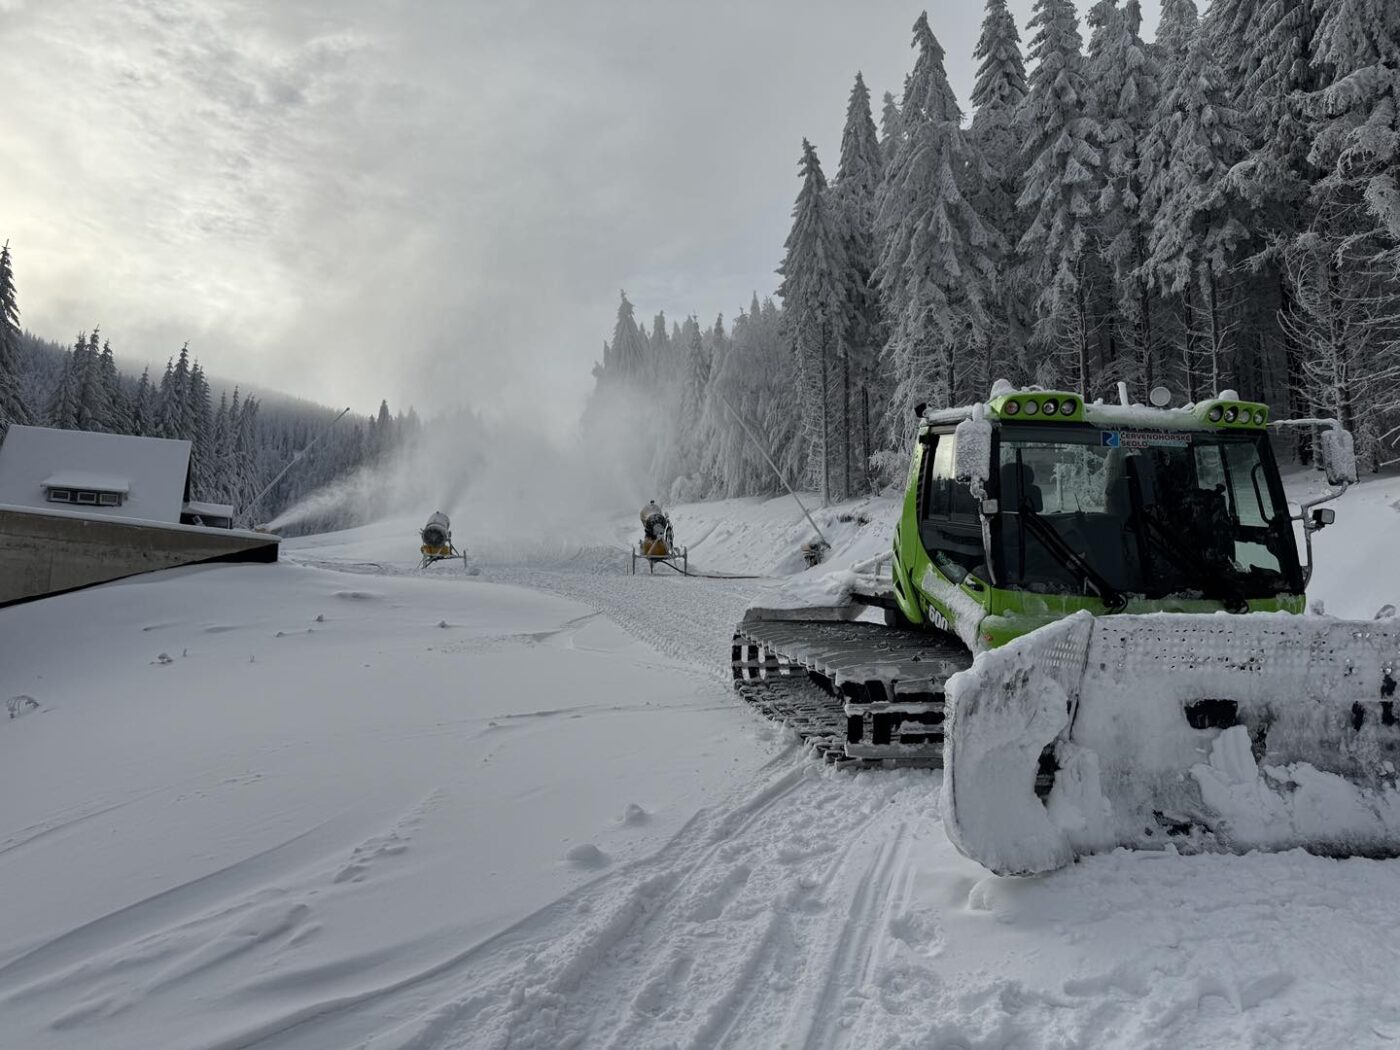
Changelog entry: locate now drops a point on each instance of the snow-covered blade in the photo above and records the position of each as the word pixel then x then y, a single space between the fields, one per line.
pixel 1211 732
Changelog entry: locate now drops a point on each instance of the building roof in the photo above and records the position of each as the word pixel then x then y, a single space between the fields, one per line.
pixel 150 472
pixel 208 510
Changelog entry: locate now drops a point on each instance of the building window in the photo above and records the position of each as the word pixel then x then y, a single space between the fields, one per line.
pixel 86 497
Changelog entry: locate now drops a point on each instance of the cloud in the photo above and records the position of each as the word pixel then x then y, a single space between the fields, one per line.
pixel 424 200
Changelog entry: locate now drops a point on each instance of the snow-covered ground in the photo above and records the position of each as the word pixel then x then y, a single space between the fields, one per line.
pixel 338 803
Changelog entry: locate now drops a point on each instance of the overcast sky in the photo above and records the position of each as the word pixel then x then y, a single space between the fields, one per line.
pixel 433 201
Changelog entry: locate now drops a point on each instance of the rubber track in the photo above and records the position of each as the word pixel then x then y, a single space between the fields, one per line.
pixel 859 693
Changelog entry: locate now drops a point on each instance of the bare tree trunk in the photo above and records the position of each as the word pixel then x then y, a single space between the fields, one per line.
pixel 1293 361
pixel 1149 377
pixel 826 426
pixel 869 485
pixel 1083 321
pixel 846 421
pixel 1217 337
pixel 1188 346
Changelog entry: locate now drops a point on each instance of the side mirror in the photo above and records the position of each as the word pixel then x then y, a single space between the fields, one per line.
pixel 1338 452
pixel 1322 517
pixel 972 450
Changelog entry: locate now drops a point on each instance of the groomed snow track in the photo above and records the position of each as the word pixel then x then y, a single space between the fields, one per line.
pixel 858 693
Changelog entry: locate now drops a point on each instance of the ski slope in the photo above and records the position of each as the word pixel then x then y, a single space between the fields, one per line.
pixel 337 803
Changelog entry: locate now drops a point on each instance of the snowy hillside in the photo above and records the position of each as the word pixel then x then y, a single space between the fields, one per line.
pixel 335 802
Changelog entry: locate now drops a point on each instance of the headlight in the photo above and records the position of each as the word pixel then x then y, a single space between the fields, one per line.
pixel 1067 407
pixel 1032 407
pixel 1214 414
pixel 1011 408
pixel 1231 414
pixel 1258 417
pixel 1051 406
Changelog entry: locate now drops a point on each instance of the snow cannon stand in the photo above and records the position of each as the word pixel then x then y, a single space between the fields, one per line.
pixel 658 546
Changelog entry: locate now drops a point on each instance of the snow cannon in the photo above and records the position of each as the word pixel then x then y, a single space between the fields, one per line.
pixel 436 537
pixel 658 544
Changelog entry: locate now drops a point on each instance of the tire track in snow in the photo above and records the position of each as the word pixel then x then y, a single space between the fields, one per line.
pixel 760 919
pixel 728 936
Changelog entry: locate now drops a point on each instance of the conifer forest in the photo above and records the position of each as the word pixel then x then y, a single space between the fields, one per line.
pixel 1215 208
pixel 239 441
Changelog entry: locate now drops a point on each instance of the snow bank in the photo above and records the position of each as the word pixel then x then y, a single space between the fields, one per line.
pixel 1156 722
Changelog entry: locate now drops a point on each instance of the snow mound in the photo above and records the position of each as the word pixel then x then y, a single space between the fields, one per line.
pixel 587 855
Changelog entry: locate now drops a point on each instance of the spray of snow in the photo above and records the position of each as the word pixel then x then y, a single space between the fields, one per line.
pixel 508 485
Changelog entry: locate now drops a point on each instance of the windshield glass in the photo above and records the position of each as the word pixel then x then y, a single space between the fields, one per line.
pixel 1157 514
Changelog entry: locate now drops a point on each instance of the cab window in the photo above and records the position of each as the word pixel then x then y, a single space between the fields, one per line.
pixel 948 521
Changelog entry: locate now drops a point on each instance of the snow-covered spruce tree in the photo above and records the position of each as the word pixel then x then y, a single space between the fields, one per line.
pixel 118 405
pixel 627 418
pixel 198 429
pixel 629 346
pixel 889 128
pixel 813 290
pixel 997 96
pixel 1197 229
pixel 1124 89
pixel 174 392
pixel 694 384
pixel 142 419
pixel 1176 338
pixel 717 342
pixel 12 406
pixel 854 191
pixel 755 383
pixel 94 402
pixel 64 409
pixel 1263 46
pixel 243 471
pixel 659 350
pixel 938 267
pixel 1342 270
pixel 221 453
pixel 1057 250
pixel 1176 28
pixel 1357 142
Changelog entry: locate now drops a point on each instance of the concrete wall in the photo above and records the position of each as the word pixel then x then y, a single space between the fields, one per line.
pixel 44 554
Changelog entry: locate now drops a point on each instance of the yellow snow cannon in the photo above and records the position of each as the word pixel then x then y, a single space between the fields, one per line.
pixel 436 537
pixel 658 543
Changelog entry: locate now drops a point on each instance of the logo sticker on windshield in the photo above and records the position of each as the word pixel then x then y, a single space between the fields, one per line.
pixel 1142 438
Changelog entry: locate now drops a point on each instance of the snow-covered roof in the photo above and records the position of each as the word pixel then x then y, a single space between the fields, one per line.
pixel 81 479
pixel 149 472
pixel 208 510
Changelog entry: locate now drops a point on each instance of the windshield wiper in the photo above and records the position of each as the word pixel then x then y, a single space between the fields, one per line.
pixel 1200 569
pixel 1066 556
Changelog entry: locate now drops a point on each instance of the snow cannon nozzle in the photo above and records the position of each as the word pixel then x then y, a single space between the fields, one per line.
pixel 438 531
